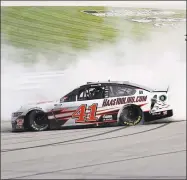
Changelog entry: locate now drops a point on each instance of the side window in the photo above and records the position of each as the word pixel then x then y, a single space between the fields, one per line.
pixel 121 90
pixel 91 93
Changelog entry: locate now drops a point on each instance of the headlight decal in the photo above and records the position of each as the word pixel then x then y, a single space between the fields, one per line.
pixel 16 114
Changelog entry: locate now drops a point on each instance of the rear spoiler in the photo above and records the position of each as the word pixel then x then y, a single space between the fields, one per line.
pixel 166 91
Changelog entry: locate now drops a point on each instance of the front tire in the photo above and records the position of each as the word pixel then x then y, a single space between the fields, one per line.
pixel 37 121
pixel 130 115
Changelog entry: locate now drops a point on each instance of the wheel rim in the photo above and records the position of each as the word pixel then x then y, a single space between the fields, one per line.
pixel 40 120
pixel 132 115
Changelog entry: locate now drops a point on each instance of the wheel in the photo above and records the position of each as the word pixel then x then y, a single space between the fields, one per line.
pixel 37 121
pixel 130 115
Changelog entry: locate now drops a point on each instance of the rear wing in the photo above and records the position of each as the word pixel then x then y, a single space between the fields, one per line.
pixel 157 90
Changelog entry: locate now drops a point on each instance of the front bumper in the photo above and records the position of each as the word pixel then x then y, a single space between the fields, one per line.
pixel 157 115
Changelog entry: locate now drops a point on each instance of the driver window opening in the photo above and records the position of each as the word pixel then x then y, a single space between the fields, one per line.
pixel 91 93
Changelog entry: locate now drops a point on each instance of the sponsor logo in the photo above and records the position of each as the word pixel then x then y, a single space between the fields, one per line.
pixel 140 92
pixel 107 117
pixel 123 100
pixel 165 112
pixel 156 113
pixel 20 122
pixel 133 123
pixel 163 98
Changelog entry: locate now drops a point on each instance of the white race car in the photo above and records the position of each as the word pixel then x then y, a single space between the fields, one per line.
pixel 95 103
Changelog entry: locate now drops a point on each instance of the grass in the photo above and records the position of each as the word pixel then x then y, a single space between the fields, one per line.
pixel 48 26
pixel 51 28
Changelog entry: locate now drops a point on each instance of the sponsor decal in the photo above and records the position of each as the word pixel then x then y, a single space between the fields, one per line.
pixel 107 117
pixel 124 100
pixel 156 113
pixel 133 123
pixel 20 122
pixel 163 98
pixel 165 112
pixel 140 92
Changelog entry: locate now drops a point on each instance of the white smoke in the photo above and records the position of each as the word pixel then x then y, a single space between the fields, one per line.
pixel 156 62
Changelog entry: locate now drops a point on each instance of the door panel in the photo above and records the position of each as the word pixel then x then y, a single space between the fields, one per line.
pixel 83 107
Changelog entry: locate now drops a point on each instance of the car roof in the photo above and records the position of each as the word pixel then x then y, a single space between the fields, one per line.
pixel 118 82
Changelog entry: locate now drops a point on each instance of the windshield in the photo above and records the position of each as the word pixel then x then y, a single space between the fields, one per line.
pixel 63 99
pixel 71 96
pixel 68 98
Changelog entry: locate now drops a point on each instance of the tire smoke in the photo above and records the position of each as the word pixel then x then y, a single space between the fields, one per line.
pixel 156 62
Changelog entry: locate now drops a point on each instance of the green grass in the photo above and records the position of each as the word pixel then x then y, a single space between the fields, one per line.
pixel 55 28
pixel 48 26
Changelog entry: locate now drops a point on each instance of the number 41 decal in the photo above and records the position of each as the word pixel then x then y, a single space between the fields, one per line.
pixel 82 116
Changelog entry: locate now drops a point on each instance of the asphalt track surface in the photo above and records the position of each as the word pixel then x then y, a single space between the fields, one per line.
pixel 155 150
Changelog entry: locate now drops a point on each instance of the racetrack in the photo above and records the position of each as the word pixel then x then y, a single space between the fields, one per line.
pixel 154 150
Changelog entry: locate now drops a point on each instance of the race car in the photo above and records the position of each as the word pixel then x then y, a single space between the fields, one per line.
pixel 95 103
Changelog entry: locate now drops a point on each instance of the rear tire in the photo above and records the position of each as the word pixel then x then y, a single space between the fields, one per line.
pixel 131 115
pixel 37 121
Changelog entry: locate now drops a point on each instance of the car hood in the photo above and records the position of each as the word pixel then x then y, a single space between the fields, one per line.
pixel 42 104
